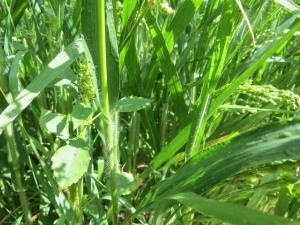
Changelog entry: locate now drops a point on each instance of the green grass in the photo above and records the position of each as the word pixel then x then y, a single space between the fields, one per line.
pixel 149 112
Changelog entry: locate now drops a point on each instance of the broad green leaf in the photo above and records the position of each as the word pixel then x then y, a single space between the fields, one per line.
pixel 70 162
pixel 126 183
pixel 18 221
pixel 132 104
pixel 274 143
pixel 230 213
pixel 80 113
pixel 56 124
pixel 94 212
pixel 58 65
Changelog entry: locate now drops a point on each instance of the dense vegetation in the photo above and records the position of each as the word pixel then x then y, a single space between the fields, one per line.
pixel 149 112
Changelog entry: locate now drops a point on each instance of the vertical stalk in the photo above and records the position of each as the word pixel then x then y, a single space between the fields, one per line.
pixel 108 118
pixel 11 145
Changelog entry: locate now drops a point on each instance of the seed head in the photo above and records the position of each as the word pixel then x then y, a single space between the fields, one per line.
pixel 85 81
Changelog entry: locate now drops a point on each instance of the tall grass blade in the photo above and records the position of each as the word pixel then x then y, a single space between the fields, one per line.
pixel 226 212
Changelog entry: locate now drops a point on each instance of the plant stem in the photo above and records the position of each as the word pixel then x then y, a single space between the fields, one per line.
pixel 11 145
pixel 108 118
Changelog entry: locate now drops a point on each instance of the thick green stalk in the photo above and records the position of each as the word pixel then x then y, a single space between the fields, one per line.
pixel 11 145
pixel 108 119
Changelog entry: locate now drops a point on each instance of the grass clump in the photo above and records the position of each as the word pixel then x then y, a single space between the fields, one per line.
pixel 149 112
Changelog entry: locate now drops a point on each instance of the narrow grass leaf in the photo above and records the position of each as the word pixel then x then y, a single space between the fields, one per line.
pixel 128 8
pixel 227 212
pixel 171 148
pixel 167 67
pixel 180 21
pixel 14 83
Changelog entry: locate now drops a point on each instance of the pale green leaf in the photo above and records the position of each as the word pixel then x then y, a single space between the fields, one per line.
pixel 55 123
pixel 126 183
pixel 132 104
pixel 70 162
pixel 80 113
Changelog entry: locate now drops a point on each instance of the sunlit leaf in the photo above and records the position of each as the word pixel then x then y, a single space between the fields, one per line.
pixel 70 162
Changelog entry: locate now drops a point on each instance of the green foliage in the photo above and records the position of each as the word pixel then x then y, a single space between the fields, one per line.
pixel 70 162
pixel 132 104
pixel 55 123
pixel 212 137
pixel 126 183
pixel 81 115
pixel 227 212
pixel 250 150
